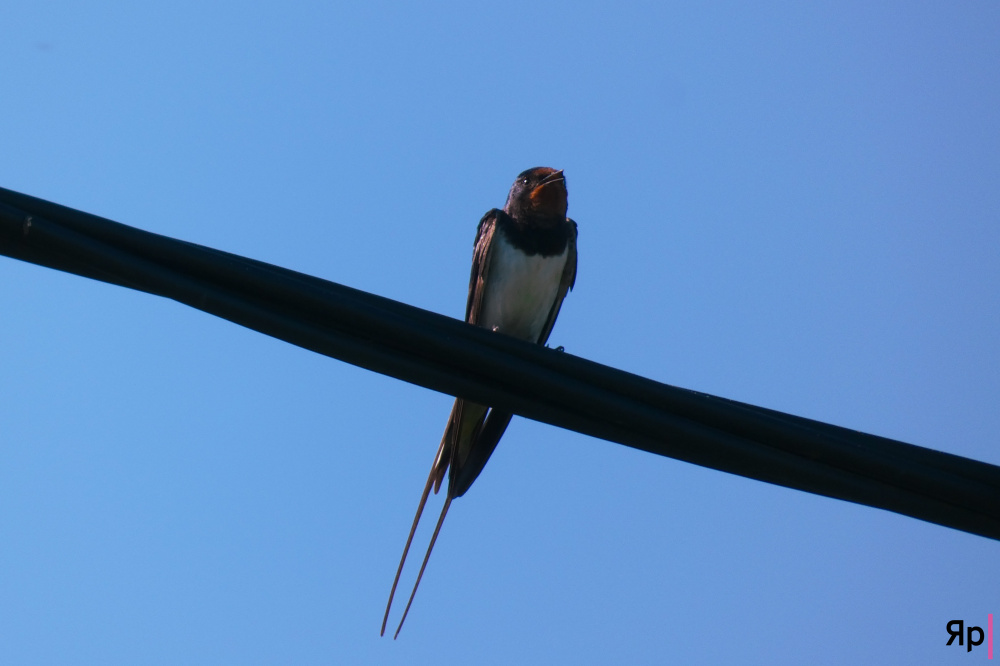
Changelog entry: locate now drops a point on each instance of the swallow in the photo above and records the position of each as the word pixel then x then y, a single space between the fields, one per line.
pixel 523 264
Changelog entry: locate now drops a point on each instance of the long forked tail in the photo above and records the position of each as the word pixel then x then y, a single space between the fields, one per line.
pixel 423 565
pixel 406 549
pixel 442 460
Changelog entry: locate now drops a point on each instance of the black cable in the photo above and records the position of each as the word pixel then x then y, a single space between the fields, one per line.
pixel 453 357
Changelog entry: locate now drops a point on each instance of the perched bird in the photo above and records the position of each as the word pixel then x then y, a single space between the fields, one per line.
pixel 523 264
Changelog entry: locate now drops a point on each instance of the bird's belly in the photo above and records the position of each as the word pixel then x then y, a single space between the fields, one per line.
pixel 520 291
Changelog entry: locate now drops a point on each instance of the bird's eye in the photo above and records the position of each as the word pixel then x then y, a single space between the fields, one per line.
pixel 524 181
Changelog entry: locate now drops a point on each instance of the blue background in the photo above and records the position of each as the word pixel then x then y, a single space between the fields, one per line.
pixel 793 206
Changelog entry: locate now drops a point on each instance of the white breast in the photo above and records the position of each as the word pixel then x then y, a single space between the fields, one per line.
pixel 520 290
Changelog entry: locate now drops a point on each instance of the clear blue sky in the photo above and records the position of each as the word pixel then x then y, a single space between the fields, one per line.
pixel 796 207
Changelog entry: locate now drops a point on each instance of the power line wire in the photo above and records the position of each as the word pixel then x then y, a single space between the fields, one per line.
pixel 453 357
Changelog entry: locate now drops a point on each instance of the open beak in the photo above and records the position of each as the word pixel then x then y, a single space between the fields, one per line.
pixel 550 195
pixel 553 177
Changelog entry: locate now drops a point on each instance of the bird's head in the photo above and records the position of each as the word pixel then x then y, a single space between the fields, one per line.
pixel 539 195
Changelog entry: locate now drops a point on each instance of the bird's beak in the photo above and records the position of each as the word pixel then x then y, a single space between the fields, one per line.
pixel 556 177
pixel 549 196
pixel 552 178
